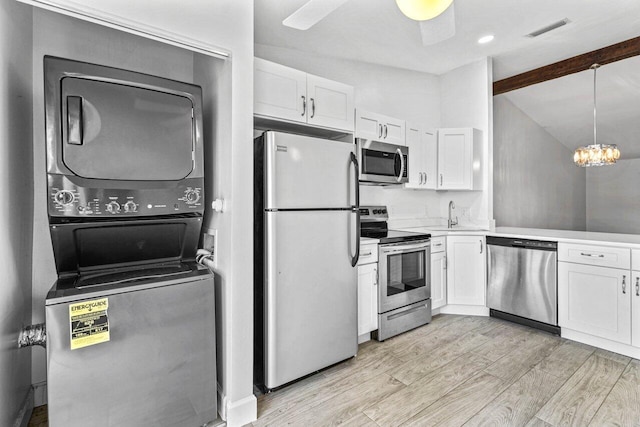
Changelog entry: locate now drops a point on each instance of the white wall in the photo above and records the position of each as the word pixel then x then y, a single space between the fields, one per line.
pixel 536 183
pixel 467 101
pixel 16 182
pixel 613 196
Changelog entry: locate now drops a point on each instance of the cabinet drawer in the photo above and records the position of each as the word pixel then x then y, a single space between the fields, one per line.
pixel 595 255
pixel 438 244
pixel 368 253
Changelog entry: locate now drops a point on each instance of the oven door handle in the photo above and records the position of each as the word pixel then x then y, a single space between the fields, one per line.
pixel 405 248
pixel 356 209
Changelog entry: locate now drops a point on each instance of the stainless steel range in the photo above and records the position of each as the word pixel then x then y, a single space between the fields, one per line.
pixel 404 287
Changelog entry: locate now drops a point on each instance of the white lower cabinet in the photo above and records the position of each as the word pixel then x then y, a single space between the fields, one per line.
pixel 438 272
pixel 635 309
pixel 466 270
pixel 595 300
pixel 367 298
pixel 367 289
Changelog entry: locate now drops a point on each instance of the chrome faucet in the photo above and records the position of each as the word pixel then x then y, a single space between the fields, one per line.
pixel 451 222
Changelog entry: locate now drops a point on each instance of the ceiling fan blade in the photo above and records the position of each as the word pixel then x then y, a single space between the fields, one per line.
pixel 440 28
pixel 311 13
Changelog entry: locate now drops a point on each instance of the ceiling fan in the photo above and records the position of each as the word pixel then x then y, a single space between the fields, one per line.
pixel 436 18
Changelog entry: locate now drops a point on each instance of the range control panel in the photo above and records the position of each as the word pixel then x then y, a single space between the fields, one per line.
pixel 68 199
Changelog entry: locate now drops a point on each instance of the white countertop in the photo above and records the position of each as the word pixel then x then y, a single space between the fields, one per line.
pixel 569 236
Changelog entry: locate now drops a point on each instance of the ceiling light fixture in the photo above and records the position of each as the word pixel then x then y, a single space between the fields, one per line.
pixel 485 39
pixel 423 10
pixel 596 154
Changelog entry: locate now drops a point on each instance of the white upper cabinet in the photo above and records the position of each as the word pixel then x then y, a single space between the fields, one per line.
pixel 459 159
pixel 279 91
pixel 379 127
pixel 422 158
pixel 285 93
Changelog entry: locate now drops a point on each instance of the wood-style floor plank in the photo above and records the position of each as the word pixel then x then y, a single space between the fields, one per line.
pixel 401 406
pixel 520 402
pixel 456 407
pixel 622 405
pixel 565 360
pixel 579 398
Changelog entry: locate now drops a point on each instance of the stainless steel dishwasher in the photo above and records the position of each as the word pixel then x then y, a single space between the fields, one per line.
pixel 522 281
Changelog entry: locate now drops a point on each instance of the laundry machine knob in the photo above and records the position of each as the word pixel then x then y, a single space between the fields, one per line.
pixel 130 206
pixel 113 207
pixel 191 196
pixel 64 197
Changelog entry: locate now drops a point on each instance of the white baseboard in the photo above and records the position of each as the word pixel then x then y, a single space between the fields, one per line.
pixel 465 310
pixel 241 412
pixel 602 343
pixel 364 338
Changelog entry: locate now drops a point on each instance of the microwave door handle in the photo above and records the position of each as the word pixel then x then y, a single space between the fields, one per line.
pixel 356 209
pixel 74 120
pixel 400 174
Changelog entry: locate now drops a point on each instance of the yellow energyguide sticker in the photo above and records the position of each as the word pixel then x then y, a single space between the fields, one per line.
pixel 89 323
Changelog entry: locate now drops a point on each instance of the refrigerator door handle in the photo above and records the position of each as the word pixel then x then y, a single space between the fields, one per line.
pixel 356 209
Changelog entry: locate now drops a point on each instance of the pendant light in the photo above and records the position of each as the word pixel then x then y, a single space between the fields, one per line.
pixel 423 10
pixel 596 154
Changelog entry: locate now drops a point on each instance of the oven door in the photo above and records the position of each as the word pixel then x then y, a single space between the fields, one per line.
pixel 404 273
pixel 382 163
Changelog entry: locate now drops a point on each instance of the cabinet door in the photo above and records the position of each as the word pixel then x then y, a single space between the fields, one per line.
pixel 367 298
pixel 368 125
pixel 466 268
pixel 430 156
pixel 416 158
pixel 438 279
pixel 455 159
pixel 635 309
pixel 330 103
pixel 595 300
pixel 393 131
pixel 279 91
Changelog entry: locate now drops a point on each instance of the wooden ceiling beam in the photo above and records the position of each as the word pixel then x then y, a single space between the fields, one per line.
pixel 605 55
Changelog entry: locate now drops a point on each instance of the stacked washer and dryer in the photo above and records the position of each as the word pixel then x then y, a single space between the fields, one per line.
pixel 130 320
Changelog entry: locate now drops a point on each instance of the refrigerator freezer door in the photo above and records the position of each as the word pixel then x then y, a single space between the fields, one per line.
pixel 157 369
pixel 310 293
pixel 307 173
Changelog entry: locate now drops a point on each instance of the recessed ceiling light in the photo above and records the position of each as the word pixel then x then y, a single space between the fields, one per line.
pixel 485 39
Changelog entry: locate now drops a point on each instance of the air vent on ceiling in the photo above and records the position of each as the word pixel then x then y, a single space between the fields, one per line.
pixel 548 28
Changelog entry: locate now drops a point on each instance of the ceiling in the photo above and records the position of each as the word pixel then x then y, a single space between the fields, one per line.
pixel 564 106
pixel 375 31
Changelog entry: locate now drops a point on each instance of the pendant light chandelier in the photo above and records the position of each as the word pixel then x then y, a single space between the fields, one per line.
pixel 596 154
pixel 423 10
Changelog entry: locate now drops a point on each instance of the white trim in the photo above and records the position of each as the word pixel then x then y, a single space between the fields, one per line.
pixel 26 410
pixel 39 393
pixel 465 310
pixel 132 27
pixel 222 402
pixel 364 337
pixel 241 412
pixel 603 343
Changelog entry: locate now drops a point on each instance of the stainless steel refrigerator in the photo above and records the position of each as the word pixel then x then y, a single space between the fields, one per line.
pixel 306 228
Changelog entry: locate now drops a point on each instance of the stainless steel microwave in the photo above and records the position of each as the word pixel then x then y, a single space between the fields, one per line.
pixel 382 163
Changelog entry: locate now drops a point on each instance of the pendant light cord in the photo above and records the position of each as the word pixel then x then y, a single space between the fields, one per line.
pixel 595 69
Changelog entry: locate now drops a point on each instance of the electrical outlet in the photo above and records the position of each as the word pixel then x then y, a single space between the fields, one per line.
pixel 210 243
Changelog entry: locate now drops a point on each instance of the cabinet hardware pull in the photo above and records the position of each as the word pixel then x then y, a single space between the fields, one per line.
pixel 421 178
pixel 375 277
pixel 385 131
pixel 313 107
pixel 441 179
pixel 638 286
pixel 592 255
pixel 480 246
pixel 624 284
pixel 367 254
pixel 425 177
pixel 437 244
pixel 304 105
pixel 379 130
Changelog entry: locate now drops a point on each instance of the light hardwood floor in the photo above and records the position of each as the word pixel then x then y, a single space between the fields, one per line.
pixel 464 370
